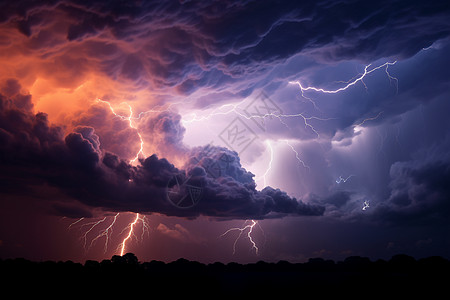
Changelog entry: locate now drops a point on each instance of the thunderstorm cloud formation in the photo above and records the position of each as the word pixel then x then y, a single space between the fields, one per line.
pixel 120 106
pixel 76 164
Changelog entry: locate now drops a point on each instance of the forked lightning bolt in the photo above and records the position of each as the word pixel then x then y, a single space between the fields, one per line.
pixel 359 78
pixel 107 232
pixel 241 230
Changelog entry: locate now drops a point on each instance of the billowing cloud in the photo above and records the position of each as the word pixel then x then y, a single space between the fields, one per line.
pixel 77 165
pixel 419 189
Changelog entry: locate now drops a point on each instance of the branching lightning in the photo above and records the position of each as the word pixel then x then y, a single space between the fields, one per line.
pixel 105 233
pixel 129 119
pixel 351 83
pixel 108 231
pixel 93 225
pixel 131 227
pixel 241 230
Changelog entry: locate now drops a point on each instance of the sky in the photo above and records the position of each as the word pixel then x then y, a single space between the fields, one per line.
pixel 224 130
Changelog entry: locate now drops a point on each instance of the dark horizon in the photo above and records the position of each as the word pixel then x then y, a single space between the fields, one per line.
pixel 401 275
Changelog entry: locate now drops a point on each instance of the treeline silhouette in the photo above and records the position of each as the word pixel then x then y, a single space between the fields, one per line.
pixel 125 275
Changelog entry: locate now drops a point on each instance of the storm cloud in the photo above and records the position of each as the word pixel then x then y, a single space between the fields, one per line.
pixel 77 165
pixel 214 45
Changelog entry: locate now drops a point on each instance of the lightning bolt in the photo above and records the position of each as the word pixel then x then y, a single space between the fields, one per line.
pixel 75 223
pixel 351 83
pixel 128 118
pixel 131 227
pixel 368 119
pixel 108 231
pixel 140 152
pixel 93 225
pixel 366 205
pixel 271 157
pixel 300 161
pixel 241 230
pixel 105 233
pixel 342 179
pixel 234 108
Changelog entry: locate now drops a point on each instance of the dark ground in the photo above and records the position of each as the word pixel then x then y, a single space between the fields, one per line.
pixel 355 277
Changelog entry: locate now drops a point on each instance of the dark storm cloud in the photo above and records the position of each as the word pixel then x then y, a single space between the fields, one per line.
pixel 230 191
pixel 33 152
pixel 420 193
pixel 115 134
pixel 196 45
pixel 164 131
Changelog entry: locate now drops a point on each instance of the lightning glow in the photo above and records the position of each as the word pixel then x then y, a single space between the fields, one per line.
pixel 241 230
pixel 269 146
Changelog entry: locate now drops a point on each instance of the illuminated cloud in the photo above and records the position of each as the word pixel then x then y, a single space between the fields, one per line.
pixel 78 166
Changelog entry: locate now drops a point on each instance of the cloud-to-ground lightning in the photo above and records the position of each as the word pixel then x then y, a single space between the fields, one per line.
pixel 107 232
pixel 131 227
pixel 241 230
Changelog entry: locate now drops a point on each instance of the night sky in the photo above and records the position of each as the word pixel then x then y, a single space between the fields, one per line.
pixel 224 130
